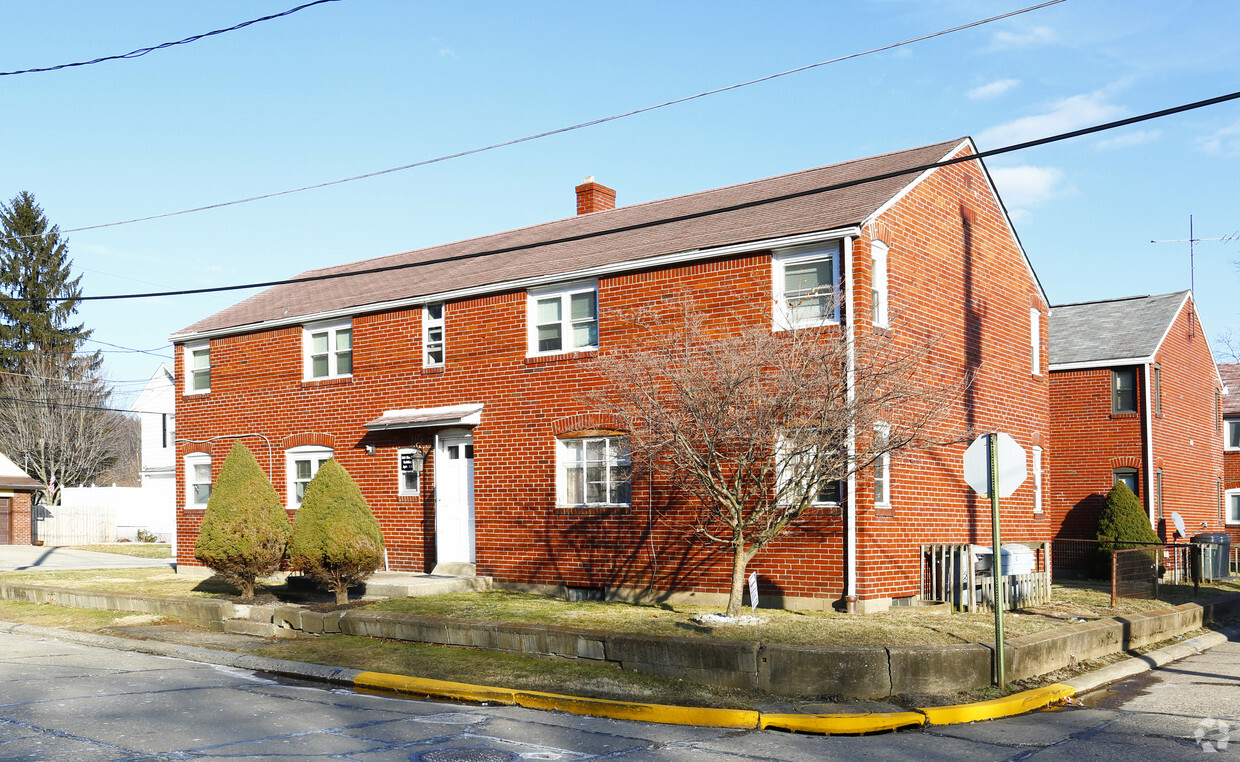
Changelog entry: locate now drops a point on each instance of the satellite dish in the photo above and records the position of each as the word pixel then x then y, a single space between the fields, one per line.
pixel 1179 524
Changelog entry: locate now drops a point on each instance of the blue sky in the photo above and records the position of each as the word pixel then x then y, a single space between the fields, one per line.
pixel 361 85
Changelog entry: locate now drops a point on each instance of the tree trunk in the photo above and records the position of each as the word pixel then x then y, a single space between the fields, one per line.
pixel 736 596
pixel 341 589
pixel 247 589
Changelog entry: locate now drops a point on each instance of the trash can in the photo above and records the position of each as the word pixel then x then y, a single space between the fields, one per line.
pixel 1218 565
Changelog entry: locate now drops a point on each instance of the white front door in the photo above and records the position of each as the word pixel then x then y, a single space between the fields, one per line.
pixel 454 503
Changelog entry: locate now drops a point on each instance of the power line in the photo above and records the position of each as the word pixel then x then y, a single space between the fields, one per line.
pixel 118 348
pixel 561 130
pixel 143 51
pixel 75 406
pixel 680 218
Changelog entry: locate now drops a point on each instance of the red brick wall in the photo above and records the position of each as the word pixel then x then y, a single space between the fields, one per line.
pixel 19 519
pixel 970 293
pixel 1088 443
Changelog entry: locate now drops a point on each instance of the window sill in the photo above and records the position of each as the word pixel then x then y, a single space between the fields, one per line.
pixel 193 507
pixel 1133 414
pixel 580 354
pixel 432 370
pixel 314 383
pixel 884 512
pixel 593 510
pixel 408 497
pixel 199 393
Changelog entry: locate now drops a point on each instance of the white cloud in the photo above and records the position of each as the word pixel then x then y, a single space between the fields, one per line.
pixel 1038 35
pixel 1026 186
pixel 1222 142
pixel 1065 115
pixel 1129 139
pixel 992 90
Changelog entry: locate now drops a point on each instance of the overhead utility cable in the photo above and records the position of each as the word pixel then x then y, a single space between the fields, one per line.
pixel 680 218
pixel 561 130
pixel 143 51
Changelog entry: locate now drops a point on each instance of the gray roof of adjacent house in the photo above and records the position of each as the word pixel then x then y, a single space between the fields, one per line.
pixel 1111 330
pixel 1230 373
pixel 777 207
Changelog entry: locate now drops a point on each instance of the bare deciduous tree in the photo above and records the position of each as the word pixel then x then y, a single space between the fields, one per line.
pixel 759 426
pixel 1227 345
pixel 54 421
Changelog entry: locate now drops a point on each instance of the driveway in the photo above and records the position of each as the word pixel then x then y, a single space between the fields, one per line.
pixel 29 557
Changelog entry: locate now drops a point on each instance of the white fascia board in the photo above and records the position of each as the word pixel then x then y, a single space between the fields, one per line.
pixel 990 183
pixel 521 284
pixel 1102 363
pixel 1196 317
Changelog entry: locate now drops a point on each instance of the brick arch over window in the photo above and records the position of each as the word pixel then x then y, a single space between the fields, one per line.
pixel 308 438
pixel 1126 462
pixel 200 447
pixel 1037 440
pixel 586 422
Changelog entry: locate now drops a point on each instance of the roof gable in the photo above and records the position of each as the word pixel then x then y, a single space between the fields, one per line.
pixel 1112 330
pixel 1230 373
pixel 786 205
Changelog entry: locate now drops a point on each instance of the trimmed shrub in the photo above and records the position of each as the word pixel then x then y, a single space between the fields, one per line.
pixel 336 539
pixel 245 529
pixel 1122 524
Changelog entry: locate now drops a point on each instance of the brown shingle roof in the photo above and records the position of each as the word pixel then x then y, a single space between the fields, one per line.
pixel 1231 379
pixel 637 233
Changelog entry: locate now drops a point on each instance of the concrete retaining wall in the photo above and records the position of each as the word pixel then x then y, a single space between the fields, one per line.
pixel 863 673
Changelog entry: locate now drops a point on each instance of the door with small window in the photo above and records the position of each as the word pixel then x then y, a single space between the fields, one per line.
pixel 454 503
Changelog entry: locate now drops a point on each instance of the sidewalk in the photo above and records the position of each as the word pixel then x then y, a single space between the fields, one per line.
pixel 30 557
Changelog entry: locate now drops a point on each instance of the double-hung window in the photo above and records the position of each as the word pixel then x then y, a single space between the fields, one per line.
pixel 1035 340
pixel 804 283
pixel 409 462
pixel 1233 506
pixel 433 338
pixel 795 469
pixel 1124 390
pixel 1128 476
pixel 878 284
pixel 1037 479
pixel 328 350
pixel 198 368
pixel 882 467
pixel 197 479
pixel 302 463
pixel 1231 434
pixel 563 319
pixel 592 471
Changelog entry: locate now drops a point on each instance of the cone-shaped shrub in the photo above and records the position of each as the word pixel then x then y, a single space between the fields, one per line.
pixel 336 540
pixel 245 529
pixel 1122 524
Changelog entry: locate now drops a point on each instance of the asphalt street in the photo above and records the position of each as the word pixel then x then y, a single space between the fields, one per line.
pixel 24 557
pixel 63 700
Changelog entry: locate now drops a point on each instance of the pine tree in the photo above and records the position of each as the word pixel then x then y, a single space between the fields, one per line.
pixel 35 272
pixel 336 539
pixel 1123 522
pixel 245 529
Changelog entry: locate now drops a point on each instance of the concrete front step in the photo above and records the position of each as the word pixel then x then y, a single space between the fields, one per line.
pixel 401 585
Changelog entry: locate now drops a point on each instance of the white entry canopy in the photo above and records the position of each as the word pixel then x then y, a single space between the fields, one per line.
pixel 428 417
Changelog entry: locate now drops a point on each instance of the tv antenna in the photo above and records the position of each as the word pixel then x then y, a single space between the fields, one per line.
pixel 1192 242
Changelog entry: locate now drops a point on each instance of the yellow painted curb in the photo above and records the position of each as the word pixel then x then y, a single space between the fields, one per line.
pixel 847 724
pixel 420 686
pixel 628 710
pixel 1017 703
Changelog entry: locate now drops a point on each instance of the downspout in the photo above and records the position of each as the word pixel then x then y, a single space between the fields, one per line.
pixel 1147 420
pixel 850 513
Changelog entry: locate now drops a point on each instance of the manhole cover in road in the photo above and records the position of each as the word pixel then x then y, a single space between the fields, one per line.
pixel 465 755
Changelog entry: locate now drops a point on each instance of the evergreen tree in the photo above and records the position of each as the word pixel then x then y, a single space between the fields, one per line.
pixel 35 273
pixel 1123 522
pixel 245 529
pixel 336 539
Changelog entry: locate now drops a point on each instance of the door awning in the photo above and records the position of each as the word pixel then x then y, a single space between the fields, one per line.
pixel 428 417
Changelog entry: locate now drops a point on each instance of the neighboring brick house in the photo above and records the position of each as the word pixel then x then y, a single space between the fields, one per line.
pixel 16 493
pixel 1135 397
pixel 454 387
pixel 1230 373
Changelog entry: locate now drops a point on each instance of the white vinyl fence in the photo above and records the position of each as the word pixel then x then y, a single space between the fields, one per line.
pixel 106 514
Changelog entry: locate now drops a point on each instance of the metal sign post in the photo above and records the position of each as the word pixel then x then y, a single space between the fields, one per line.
pixel 997 556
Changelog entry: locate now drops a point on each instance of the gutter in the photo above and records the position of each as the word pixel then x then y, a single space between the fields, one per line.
pixel 1147 434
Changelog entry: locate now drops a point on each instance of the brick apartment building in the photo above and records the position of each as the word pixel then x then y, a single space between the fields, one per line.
pixel 1230 373
pixel 1135 397
pixel 452 382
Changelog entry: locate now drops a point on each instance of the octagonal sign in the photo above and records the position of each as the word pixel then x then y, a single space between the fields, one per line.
pixel 1012 468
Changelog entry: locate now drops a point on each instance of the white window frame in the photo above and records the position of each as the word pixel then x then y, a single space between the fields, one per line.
pixel 192 461
pixel 430 323
pixel 1228 424
pixel 783 319
pixel 316 454
pixel 401 489
pixel 1035 340
pixel 882 468
pixel 1230 496
pixel 616 456
pixel 879 285
pixel 568 340
pixel 1037 478
pixel 191 371
pixel 782 474
pixel 333 352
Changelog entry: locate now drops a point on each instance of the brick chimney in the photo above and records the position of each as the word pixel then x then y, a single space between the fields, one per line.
pixel 592 197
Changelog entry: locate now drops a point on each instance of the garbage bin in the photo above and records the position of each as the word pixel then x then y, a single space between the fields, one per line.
pixel 1218 565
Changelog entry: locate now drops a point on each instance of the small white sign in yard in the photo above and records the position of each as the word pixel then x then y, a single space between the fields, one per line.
pixel 753 591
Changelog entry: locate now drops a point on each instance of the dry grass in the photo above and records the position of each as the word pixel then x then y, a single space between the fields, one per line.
pixel 84 620
pixel 136 549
